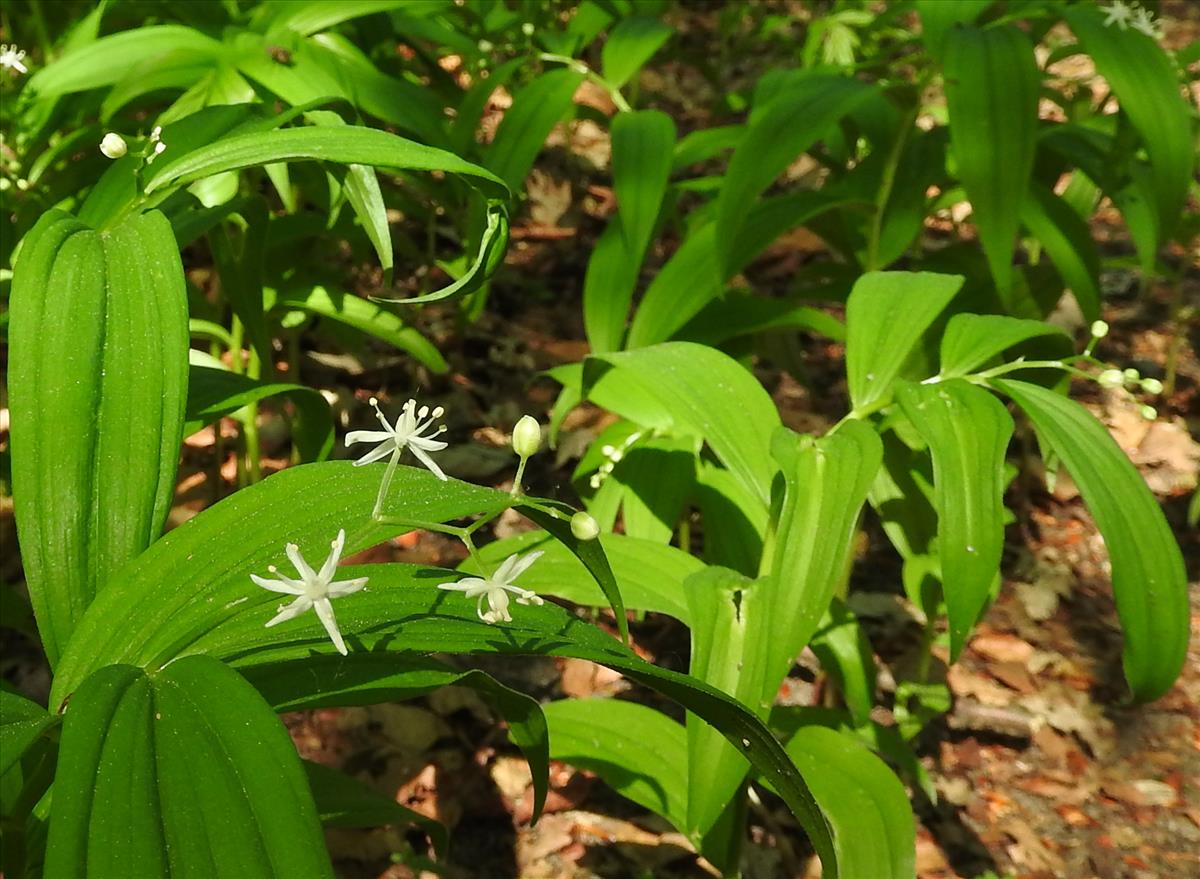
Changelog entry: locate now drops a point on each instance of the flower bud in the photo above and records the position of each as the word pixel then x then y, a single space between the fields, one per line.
pixel 1099 329
pixel 113 145
pixel 527 28
pixel 1149 413
pixel 1152 386
pixel 1112 378
pixel 584 526
pixel 1132 375
pixel 526 436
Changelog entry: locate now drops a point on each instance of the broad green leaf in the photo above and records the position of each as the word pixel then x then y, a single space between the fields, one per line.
pixel 825 482
pixel 1143 78
pixel 318 15
pixel 730 635
pixel 1068 241
pixel 735 520
pixel 704 144
pixel 637 751
pixel 97 412
pixel 688 281
pixel 1149 581
pixel 649 574
pixel 993 131
pixel 967 430
pixel 786 127
pixel 886 315
pixel 938 17
pixel 687 389
pixel 177 69
pixel 131 801
pixel 343 801
pixel 737 315
pixel 657 477
pixel 641 145
pixel 367 317
pixel 320 681
pixel 214 393
pixel 971 340
pixel 535 110
pixel 873 828
pixel 108 59
pixel 630 45
pixel 847 656
pixel 22 723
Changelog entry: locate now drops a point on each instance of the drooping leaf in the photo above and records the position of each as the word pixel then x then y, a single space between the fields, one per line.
pixel 867 807
pixel 886 315
pixel 637 751
pixel 971 340
pixel 968 431
pixel 1148 576
pixel 137 806
pixel 993 132
pixel 97 412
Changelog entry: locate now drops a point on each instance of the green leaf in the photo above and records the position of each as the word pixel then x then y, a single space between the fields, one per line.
pixel 319 15
pixel 629 46
pixel 214 393
pixel 650 574
pixel 1144 79
pixel 637 751
pixel 786 127
pixel 657 475
pixel 1149 581
pixel 847 656
pixel 97 411
pixel 738 520
pixel 107 60
pixel 535 110
pixel 130 801
pixel 873 829
pixel 825 482
pixel 1068 241
pixel 993 132
pixel 366 317
pixel 886 315
pixel 22 723
pixel 967 430
pixel 343 801
pixel 688 281
pixel 692 390
pixel 971 340
pixel 938 17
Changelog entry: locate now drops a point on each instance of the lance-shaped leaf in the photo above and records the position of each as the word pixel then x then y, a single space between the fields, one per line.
pixel 967 430
pixel 825 482
pixel 630 45
pixel 184 771
pixel 97 411
pixel 22 723
pixel 873 828
pixel 1148 576
pixel 1068 241
pixel 992 84
pixel 886 315
pixel 535 110
pixel 971 340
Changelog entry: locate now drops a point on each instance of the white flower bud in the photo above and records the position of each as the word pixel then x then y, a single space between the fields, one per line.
pixel 1132 375
pixel 527 28
pixel 486 46
pixel 1112 378
pixel 1149 413
pixel 584 526
pixel 113 145
pixel 526 436
pixel 1099 329
pixel 1152 386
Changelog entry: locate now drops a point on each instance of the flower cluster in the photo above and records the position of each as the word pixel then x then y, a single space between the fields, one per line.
pixel 612 456
pixel 11 58
pixel 411 431
pixel 1126 16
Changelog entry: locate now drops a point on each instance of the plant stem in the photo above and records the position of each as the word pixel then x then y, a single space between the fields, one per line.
pixel 517 489
pixel 578 66
pixel 386 483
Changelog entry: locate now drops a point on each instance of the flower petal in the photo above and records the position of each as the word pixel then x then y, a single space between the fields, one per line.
pixel 429 445
pixel 285 588
pixel 325 613
pixel 518 567
pixel 338 588
pixel 302 567
pixel 382 451
pixel 335 554
pixel 367 436
pixel 428 462
pixel 293 610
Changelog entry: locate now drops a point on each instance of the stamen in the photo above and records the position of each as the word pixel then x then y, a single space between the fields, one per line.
pixel 423 411
pixel 439 412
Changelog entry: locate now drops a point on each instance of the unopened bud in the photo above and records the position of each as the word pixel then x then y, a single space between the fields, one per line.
pixel 526 436
pixel 1112 378
pixel 1099 329
pixel 1149 413
pixel 527 28
pixel 1152 386
pixel 486 46
pixel 584 526
pixel 1132 375
pixel 113 145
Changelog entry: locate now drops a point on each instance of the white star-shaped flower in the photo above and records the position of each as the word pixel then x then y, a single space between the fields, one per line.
pixel 408 433
pixel 496 588
pixel 1143 20
pixel 1119 14
pixel 10 58
pixel 314 589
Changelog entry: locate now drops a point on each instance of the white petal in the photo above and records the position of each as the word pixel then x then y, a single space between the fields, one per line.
pixel 293 610
pixel 338 588
pixel 302 567
pixel 292 588
pixel 428 462
pixel 498 602
pixel 335 554
pixel 504 572
pixel 519 567
pixel 467 584
pixel 382 451
pixel 367 436
pixel 325 612
pixel 429 445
